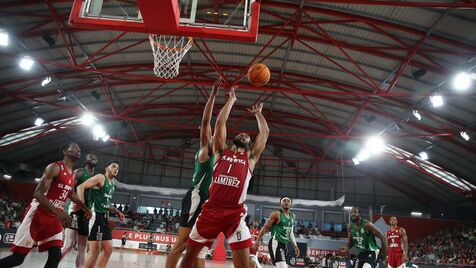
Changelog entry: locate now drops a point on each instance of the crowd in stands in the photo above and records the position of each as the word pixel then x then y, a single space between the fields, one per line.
pixel 11 210
pixel 455 245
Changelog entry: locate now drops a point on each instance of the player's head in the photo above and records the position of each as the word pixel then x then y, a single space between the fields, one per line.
pixel 393 221
pixel 355 214
pixel 286 202
pixel 242 140
pixel 112 168
pixel 91 160
pixel 71 150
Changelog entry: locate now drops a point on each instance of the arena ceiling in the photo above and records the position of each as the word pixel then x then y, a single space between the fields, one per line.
pixel 341 71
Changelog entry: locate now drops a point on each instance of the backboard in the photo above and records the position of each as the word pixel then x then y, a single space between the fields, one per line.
pixel 229 20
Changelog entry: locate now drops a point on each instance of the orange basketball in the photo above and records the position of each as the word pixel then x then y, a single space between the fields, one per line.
pixel 259 75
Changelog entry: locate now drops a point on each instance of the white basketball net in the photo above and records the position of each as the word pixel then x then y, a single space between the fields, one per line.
pixel 168 52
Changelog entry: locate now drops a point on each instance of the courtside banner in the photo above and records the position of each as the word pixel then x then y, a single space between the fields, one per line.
pixel 7 237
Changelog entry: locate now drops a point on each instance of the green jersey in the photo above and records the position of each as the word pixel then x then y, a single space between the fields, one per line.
pixel 202 176
pixel 281 231
pixel 361 238
pixel 86 175
pixel 101 198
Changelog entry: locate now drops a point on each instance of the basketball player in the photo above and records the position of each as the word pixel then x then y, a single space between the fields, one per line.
pixel 361 234
pixel 224 211
pixel 123 240
pixel 45 216
pixel 196 196
pixel 150 244
pixel 100 236
pixel 397 251
pixel 78 232
pixel 281 223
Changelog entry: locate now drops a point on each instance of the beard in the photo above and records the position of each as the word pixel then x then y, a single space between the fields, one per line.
pixel 91 164
pixel 240 144
pixel 354 219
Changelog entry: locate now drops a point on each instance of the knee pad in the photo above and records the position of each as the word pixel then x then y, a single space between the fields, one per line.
pixel 203 253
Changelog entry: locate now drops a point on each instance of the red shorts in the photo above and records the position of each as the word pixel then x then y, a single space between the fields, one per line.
pixel 38 226
pixel 215 220
pixel 395 259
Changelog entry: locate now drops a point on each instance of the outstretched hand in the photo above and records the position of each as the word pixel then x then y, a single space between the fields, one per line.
pixel 216 87
pixel 256 108
pixel 232 94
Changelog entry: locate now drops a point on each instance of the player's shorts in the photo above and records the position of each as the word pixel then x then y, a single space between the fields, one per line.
pixel 38 226
pixel 215 220
pixel 79 222
pixel 277 251
pixel 395 259
pixel 99 229
pixel 369 257
pixel 191 208
pixel 123 242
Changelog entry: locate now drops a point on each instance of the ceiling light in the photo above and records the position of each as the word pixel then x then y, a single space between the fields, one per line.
pixel 355 160
pixel 416 114
pixel 37 179
pixel 423 155
pixel 39 121
pixel 87 119
pixel 3 38
pixel 363 155
pixel 46 81
pixel 462 81
pixel 375 145
pixel 347 208
pixel 26 63
pixel 98 132
pixel 416 214
pixel 464 135
pixel 106 138
pixel 7 176
pixel 436 100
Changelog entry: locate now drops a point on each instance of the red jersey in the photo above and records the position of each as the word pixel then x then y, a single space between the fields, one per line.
pixel 394 240
pixel 231 176
pixel 60 188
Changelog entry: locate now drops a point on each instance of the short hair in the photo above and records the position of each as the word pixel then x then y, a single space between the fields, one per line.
pixel 111 162
pixel 65 147
pixel 285 196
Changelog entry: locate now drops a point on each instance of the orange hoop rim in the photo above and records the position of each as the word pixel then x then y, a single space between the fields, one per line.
pixel 164 47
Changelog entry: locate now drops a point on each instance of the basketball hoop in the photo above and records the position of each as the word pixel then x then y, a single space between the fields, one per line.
pixel 169 51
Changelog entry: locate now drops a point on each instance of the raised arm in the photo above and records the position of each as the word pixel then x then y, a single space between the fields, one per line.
pixel 94 181
pixel 273 218
pixel 50 173
pixel 205 128
pixel 260 141
pixel 371 228
pixel 403 233
pixel 219 139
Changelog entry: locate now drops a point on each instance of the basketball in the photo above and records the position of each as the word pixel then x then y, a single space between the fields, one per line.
pixel 259 75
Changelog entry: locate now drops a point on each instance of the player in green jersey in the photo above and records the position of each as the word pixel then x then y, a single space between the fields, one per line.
pixel 100 196
pixel 78 232
pixel 281 223
pixel 361 234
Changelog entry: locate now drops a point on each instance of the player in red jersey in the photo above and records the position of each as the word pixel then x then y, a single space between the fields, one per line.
pixel 45 217
pixel 397 251
pixel 224 211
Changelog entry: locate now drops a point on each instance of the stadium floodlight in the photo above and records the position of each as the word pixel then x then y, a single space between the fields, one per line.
pixel 464 135
pixel 416 114
pixel 98 132
pixel 106 138
pixel 4 38
pixel 39 121
pixel 363 155
pixel 375 145
pixel 87 119
pixel 355 160
pixel 26 63
pixel 46 81
pixel 416 214
pixel 423 155
pixel 462 81
pixel 436 100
